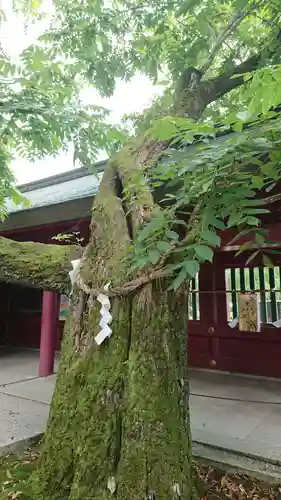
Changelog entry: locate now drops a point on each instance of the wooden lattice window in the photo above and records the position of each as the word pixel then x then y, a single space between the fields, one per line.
pixel 265 282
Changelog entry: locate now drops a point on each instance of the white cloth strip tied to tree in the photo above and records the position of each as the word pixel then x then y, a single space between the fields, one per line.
pixel 76 278
pixel 75 270
pixel 102 298
pixel 106 317
pixel 128 287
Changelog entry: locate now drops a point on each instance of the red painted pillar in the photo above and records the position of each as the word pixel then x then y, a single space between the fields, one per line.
pixel 49 325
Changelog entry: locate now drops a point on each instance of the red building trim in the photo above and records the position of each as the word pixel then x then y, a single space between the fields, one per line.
pixel 49 327
pixel 41 329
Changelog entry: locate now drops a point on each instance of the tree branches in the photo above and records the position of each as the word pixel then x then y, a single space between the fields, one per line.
pixel 37 264
pixel 229 30
pixel 199 93
pixel 227 81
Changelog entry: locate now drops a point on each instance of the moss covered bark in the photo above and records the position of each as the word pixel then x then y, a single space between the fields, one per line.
pixel 119 418
pixel 45 266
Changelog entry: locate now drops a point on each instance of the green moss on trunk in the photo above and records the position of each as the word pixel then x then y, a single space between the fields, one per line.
pixel 119 414
pixel 81 445
pixel 119 418
pixel 156 447
pixel 37 264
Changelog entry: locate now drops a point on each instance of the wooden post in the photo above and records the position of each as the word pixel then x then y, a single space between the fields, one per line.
pixel 49 325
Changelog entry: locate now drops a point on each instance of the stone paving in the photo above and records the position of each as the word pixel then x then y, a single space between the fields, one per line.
pixel 24 397
pixel 238 413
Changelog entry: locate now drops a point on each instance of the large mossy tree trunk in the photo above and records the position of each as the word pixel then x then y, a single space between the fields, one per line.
pixel 119 422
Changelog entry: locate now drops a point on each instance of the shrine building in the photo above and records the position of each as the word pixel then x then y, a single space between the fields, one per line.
pixel 33 319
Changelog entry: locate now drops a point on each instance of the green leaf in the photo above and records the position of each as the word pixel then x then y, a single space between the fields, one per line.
pixel 163 246
pixel 261 231
pixel 254 203
pixel 257 211
pixel 204 253
pixel 181 222
pixel 269 169
pixel 253 221
pixel 252 256
pixel 257 181
pixel 164 129
pixel 217 223
pixel 211 237
pixel 154 256
pixel 266 102
pixel 18 198
pixel 271 242
pixel 173 235
pixel 243 115
pixel 151 227
pixel 234 220
pixel 238 126
pixel 259 239
pixel 183 9
pixel 267 261
pixel 261 142
pixel 192 267
pixel 179 279
pixel 139 264
pixel 243 247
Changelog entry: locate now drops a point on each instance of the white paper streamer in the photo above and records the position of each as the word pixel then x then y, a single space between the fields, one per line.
pixel 233 323
pixel 106 317
pixel 74 273
pixel 277 323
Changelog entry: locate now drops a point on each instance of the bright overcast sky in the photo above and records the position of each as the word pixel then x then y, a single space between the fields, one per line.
pixel 129 97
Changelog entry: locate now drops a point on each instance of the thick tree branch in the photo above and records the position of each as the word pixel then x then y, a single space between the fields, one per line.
pixel 226 82
pixel 196 93
pixel 37 264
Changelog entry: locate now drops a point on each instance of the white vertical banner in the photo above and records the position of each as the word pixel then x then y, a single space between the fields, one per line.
pixel 106 317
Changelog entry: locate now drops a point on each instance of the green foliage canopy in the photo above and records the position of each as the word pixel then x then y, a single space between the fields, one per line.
pixel 224 55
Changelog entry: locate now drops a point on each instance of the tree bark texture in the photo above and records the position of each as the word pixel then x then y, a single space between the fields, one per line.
pixel 37 264
pixel 119 421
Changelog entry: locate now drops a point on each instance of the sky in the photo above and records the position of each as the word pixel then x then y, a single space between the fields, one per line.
pixel 129 97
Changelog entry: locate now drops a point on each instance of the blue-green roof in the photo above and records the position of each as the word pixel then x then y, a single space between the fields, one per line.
pixel 73 185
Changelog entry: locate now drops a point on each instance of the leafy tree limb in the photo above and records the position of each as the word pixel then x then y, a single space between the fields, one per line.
pixel 229 30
